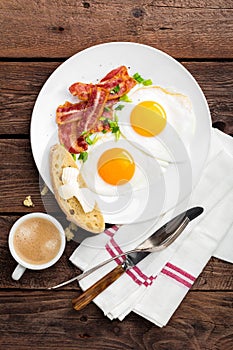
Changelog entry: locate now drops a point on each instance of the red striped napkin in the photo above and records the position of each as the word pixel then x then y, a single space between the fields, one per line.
pixel 157 285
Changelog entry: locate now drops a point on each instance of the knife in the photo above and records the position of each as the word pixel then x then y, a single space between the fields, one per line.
pixel 157 241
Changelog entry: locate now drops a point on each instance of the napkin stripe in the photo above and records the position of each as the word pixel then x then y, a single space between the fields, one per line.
pixel 179 270
pixel 178 274
pixel 175 277
pixel 111 230
pixel 135 272
pixel 120 260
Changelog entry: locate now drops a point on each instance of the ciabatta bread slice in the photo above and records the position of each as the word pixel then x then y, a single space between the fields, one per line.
pixel 93 221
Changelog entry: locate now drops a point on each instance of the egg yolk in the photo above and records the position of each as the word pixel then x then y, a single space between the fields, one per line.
pixel 148 118
pixel 116 166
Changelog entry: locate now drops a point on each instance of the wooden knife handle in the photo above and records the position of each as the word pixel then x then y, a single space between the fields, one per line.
pixel 86 297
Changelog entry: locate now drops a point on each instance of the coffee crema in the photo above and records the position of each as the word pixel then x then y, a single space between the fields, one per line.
pixel 37 241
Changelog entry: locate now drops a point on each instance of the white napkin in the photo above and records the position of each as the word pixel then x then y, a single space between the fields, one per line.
pixel 157 285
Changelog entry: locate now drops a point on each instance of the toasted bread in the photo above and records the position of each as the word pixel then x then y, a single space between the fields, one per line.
pixel 92 221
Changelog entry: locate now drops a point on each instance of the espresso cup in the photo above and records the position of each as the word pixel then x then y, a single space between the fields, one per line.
pixel 36 242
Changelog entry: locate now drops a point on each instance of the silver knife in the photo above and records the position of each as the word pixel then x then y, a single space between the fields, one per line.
pixel 157 241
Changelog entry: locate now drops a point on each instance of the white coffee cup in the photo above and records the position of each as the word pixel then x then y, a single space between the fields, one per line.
pixel 23 265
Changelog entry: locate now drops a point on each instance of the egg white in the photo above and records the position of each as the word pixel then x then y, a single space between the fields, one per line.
pixel 147 169
pixel 172 144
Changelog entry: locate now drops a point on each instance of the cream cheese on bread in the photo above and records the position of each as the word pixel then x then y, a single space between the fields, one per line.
pixel 70 188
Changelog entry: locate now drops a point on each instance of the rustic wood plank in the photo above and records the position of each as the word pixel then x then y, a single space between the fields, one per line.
pixel 46 320
pixel 19 178
pixel 61 28
pixel 20 84
pixel 24 80
pixel 217 275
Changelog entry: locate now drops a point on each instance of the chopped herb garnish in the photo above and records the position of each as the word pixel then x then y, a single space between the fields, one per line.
pixel 138 78
pixel 115 90
pixel 113 126
pixel 95 139
pixel 83 156
pixel 125 98
pixel 88 140
pixel 119 107
pixel 118 134
pixel 102 118
pixel 84 133
pixel 141 80
pixel 74 156
pixel 107 109
pixel 147 82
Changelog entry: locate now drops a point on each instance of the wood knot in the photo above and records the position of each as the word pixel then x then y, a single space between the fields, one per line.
pixel 165 28
pixel 83 319
pixel 86 5
pixel 116 330
pixel 137 12
pixel 58 29
pixel 84 335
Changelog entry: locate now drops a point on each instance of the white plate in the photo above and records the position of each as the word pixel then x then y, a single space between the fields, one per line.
pixel 92 64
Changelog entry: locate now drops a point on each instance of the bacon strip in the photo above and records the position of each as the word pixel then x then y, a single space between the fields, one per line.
pixel 81 90
pixel 70 112
pixel 114 73
pixel 72 126
pixel 117 78
pixel 74 119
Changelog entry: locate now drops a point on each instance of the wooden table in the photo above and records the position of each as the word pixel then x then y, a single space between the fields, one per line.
pixel 36 37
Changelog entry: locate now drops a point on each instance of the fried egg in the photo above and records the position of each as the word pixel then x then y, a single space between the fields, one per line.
pixel 159 122
pixel 115 168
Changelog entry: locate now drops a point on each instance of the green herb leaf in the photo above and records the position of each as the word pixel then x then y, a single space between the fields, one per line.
pixel 83 156
pixel 102 118
pixel 115 129
pixel 141 80
pixel 107 109
pixel 74 156
pixel 119 107
pixel 117 135
pixel 116 119
pixel 88 140
pixel 83 133
pixel 115 90
pixel 138 78
pixel 95 139
pixel 104 131
pixel 125 98
pixel 147 82
pixel 111 123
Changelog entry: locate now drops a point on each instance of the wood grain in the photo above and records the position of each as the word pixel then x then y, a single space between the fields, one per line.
pixel 46 321
pixel 61 28
pixel 20 84
pixel 217 275
pixel 24 80
pixel 19 178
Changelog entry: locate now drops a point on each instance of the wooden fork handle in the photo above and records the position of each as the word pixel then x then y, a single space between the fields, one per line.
pixel 86 297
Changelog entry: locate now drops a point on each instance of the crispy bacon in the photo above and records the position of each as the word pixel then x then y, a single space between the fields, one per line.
pixel 108 109
pixel 115 73
pixel 81 90
pixel 71 128
pixel 117 79
pixel 70 112
pixel 74 119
